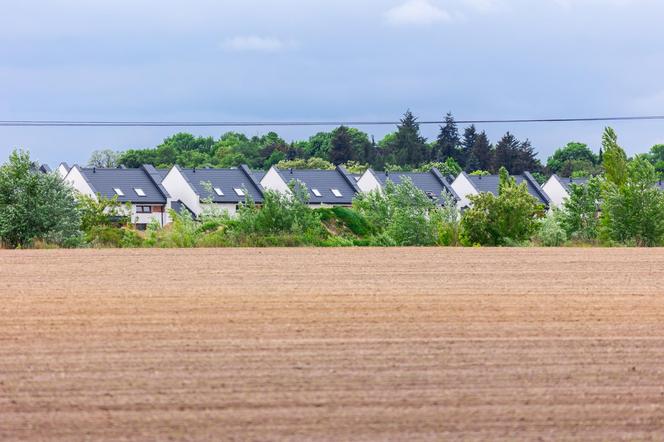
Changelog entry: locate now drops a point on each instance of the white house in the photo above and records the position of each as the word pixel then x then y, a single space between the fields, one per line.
pixel 466 185
pixel 433 183
pixel 326 187
pixel 223 189
pixel 558 189
pixel 63 169
pixel 141 188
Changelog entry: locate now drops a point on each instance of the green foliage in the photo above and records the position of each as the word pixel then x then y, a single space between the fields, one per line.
pixel 401 213
pixel 102 212
pixel 354 221
pixel 551 232
pixel 574 158
pixel 448 168
pixel 580 213
pixel 633 212
pixel 104 159
pixel 35 206
pixel 615 159
pixel 480 173
pixel 311 163
pixel 447 218
pixel 510 217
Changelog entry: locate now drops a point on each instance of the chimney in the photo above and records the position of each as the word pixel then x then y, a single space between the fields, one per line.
pixel 290 170
pixel 94 170
pixel 194 170
pixel 387 173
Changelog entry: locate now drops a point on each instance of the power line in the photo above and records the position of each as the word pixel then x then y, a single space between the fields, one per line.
pixel 61 123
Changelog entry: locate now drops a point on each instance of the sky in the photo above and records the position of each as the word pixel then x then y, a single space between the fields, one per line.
pixel 316 60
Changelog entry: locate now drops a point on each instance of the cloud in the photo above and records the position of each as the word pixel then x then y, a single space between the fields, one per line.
pixel 416 12
pixel 255 43
pixel 483 6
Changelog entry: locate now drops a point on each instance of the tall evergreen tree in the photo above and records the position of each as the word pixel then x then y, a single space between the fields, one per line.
pixel 526 159
pixel 341 150
pixel 483 152
pixel 506 153
pixel 447 144
pixel 469 139
pixel 410 147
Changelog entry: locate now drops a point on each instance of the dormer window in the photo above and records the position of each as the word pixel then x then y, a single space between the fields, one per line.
pixel 139 191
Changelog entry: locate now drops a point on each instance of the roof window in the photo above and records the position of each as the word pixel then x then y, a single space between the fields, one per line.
pixel 239 191
pixel 316 192
pixel 218 191
pixel 118 192
pixel 139 191
pixel 336 193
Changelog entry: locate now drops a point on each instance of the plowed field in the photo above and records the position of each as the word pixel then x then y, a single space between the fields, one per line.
pixel 332 344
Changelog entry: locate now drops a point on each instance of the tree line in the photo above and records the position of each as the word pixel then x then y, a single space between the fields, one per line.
pixel 403 149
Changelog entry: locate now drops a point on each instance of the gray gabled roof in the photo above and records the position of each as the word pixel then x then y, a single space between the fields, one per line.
pixel 433 183
pixel 324 181
pixel 105 181
pixel 490 183
pixel 567 182
pixel 227 180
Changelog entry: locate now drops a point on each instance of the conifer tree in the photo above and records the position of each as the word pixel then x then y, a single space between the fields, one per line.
pixel 447 144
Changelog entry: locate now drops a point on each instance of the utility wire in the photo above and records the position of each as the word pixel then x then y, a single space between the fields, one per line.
pixel 59 123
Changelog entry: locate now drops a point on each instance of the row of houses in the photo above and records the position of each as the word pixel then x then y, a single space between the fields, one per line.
pixel 151 192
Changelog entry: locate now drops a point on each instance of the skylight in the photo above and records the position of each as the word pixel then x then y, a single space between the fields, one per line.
pixel 239 192
pixel 139 191
pixel 316 192
pixel 218 191
pixel 336 193
pixel 119 192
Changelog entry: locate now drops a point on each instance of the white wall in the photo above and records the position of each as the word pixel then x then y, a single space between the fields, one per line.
pixel 464 188
pixel 368 182
pixel 273 181
pixel 79 183
pixel 556 191
pixel 62 171
pixel 179 189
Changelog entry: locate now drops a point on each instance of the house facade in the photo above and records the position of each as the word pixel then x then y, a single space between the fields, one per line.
pixel 326 187
pixel 141 188
pixel 467 185
pixel 558 189
pixel 433 183
pixel 223 189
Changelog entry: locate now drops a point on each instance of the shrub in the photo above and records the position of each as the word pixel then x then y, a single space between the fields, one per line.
pixel 551 233
pixel 511 217
pixel 35 206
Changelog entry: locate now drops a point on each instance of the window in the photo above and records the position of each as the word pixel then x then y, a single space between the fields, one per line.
pixel 316 192
pixel 139 192
pixel 336 193
pixel 218 191
pixel 239 192
pixel 143 209
pixel 119 192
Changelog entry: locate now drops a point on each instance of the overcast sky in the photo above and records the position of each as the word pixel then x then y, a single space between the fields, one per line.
pixel 326 60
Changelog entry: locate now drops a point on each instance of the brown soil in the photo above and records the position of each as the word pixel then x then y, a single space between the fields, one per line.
pixel 332 344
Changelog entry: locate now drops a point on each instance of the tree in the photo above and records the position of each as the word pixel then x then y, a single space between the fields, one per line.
pixel 632 211
pixel 104 159
pixel 580 213
pixel 311 163
pixel 506 152
pixel 656 157
pixel 342 149
pixel 482 151
pixel 408 146
pixel 615 158
pixel 574 159
pixel 510 217
pixel 470 137
pixel 448 142
pixel 35 206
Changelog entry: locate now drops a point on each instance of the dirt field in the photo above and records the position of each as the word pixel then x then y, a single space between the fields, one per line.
pixel 342 344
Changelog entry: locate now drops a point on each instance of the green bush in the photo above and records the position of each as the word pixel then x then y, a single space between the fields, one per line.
pixel 551 233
